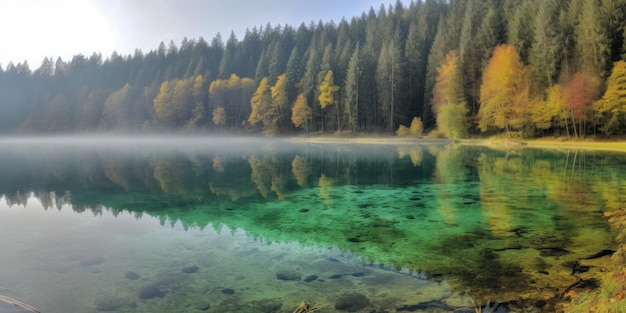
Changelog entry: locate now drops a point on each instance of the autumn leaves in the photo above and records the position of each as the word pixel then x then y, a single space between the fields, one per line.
pixel 512 102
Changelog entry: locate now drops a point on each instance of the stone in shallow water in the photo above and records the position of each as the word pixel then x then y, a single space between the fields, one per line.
pixel 151 292
pixel 288 275
pixel 190 269
pixel 228 291
pixel 310 278
pixel 132 275
pixel 352 302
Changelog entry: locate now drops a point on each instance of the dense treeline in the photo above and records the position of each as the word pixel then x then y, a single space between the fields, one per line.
pixel 525 67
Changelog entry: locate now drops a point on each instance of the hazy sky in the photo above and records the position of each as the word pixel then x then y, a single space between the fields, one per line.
pixel 33 29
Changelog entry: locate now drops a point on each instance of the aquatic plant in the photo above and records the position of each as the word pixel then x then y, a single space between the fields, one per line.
pixel 306 307
pixel 479 309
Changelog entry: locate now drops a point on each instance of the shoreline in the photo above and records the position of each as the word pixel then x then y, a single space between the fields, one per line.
pixel 555 144
pixel 539 143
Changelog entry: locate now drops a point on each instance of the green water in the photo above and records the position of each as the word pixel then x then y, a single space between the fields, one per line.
pixel 199 225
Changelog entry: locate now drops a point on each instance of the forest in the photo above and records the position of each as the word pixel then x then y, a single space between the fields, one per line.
pixel 522 68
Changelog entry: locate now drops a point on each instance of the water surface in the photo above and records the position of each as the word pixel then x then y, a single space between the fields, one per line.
pixel 167 225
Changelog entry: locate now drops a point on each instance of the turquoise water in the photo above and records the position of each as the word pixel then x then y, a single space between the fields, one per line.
pixel 200 225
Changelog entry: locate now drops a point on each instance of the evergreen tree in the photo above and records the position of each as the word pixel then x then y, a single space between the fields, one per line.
pixel 389 81
pixel 592 42
pixel 351 102
pixel 545 52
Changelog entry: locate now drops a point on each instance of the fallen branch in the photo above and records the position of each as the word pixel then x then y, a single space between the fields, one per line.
pixel 19 304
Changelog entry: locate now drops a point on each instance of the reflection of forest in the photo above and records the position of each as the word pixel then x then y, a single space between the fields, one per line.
pixel 191 177
pixel 508 222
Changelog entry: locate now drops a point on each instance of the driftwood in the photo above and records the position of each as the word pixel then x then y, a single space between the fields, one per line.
pixel 19 304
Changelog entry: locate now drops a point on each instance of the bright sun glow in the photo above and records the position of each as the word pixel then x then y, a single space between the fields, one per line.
pixel 31 29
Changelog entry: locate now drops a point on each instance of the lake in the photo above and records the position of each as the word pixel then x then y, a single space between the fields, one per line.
pixel 250 225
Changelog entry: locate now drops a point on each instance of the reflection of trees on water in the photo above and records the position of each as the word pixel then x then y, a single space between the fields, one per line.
pixel 574 179
pixel 301 170
pixel 449 179
pixel 493 204
pixel 194 177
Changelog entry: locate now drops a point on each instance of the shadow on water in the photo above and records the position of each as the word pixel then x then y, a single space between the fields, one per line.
pixel 496 225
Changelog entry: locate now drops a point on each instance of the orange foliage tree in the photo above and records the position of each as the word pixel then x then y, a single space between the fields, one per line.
pixel 579 93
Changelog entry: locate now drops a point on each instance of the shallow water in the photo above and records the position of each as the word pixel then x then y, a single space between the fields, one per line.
pixel 250 226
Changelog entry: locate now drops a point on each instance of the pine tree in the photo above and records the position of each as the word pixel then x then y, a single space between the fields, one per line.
pixel 545 52
pixel 388 81
pixel 351 102
pixel 592 43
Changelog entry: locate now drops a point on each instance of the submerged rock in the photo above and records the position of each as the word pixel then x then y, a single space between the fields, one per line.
pixel 132 275
pixel 190 269
pixel 310 278
pixel 151 292
pixel 352 302
pixel 288 275
pixel 228 291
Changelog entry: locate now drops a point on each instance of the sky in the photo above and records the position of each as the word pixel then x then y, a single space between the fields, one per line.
pixel 33 29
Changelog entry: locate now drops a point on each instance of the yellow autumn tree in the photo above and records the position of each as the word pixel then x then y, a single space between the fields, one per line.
pixel 219 116
pixel 449 104
pixel 416 129
pixel 279 100
pixel 199 97
pixel 549 113
pixel 505 97
pixel 301 113
pixel 173 104
pixel 328 95
pixel 262 110
pixel 609 112
pixel 162 100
